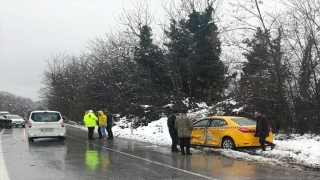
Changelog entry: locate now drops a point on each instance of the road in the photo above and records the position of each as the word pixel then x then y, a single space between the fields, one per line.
pixel 120 159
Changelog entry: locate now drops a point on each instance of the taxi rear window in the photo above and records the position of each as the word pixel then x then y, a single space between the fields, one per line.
pixel 45 117
pixel 244 121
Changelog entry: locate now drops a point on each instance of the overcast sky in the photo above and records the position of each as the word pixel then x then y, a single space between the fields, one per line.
pixel 33 31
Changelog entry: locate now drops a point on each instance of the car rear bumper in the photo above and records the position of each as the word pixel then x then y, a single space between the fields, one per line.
pixel 18 123
pixel 38 134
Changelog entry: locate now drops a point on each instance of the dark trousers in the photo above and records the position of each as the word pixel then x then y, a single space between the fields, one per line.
pixel 109 130
pixel 185 143
pixel 90 132
pixel 99 132
pixel 262 140
pixel 175 139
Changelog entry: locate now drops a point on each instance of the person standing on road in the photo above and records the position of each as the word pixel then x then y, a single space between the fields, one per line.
pixel 184 127
pixel 99 128
pixel 262 130
pixel 172 130
pixel 109 123
pixel 103 125
pixel 89 120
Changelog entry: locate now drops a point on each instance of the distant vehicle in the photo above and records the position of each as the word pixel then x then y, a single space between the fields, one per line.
pixel 228 132
pixel 16 120
pixel 3 113
pixel 46 124
pixel 5 123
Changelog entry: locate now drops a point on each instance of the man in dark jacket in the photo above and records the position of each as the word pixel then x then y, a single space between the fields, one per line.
pixel 262 130
pixel 172 130
pixel 109 123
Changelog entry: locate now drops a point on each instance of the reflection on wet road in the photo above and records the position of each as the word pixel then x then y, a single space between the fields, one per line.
pixel 77 158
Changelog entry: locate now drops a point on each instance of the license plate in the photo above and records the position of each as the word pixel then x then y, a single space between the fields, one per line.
pixel 46 130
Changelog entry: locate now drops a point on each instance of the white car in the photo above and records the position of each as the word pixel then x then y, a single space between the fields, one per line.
pixel 46 124
pixel 16 120
pixel 3 113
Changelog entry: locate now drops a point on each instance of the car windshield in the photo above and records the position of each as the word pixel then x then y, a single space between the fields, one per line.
pixel 244 121
pixel 13 117
pixel 45 117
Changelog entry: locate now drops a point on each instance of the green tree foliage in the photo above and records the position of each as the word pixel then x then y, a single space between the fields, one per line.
pixel 195 50
pixel 177 59
pixel 208 70
pixel 151 59
pixel 258 88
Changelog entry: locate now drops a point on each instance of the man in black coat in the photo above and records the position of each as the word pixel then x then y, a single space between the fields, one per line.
pixel 109 123
pixel 173 131
pixel 262 130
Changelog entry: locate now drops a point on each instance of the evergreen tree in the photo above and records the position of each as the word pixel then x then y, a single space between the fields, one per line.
pixel 258 88
pixel 177 58
pixel 151 59
pixel 194 50
pixel 208 71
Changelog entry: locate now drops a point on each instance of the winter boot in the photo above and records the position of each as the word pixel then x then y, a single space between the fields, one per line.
pixel 182 151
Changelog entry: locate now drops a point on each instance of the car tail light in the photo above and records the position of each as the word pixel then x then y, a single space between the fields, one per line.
pixel 62 124
pixel 246 130
pixel 29 124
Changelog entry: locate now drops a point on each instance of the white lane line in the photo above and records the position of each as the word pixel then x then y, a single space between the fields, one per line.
pixel 3 170
pixel 148 160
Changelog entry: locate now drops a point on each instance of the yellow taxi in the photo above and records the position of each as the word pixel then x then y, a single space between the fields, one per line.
pixel 228 132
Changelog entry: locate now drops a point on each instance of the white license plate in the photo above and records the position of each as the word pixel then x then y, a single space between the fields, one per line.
pixel 46 130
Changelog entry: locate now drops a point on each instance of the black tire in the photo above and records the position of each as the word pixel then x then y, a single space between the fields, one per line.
pixel 30 139
pixel 23 126
pixel 62 138
pixel 228 143
pixel 17 125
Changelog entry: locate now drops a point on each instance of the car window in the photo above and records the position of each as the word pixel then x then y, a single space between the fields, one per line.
pixel 218 123
pixel 2 117
pixel 202 123
pixel 244 121
pixel 45 117
pixel 13 117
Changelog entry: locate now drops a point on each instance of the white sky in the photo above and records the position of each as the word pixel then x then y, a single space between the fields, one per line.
pixel 31 32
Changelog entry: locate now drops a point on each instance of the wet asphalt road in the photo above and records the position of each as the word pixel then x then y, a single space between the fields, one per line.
pixel 79 159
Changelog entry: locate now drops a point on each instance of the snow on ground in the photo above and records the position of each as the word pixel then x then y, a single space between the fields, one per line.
pixel 296 150
pixel 301 151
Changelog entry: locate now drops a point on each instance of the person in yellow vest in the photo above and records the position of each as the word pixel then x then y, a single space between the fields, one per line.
pixel 103 124
pixel 89 120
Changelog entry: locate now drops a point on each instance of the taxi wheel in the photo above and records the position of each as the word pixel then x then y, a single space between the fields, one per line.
pixel 228 143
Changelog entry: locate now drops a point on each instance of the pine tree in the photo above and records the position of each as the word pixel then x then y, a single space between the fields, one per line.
pixel 177 58
pixel 208 71
pixel 151 59
pixel 259 86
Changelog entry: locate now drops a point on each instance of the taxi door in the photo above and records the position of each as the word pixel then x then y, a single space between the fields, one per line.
pixel 216 131
pixel 199 132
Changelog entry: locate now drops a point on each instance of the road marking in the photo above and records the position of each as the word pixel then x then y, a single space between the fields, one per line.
pixel 3 169
pixel 148 160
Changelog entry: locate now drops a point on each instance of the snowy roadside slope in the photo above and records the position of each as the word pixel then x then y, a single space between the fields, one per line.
pixel 297 150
